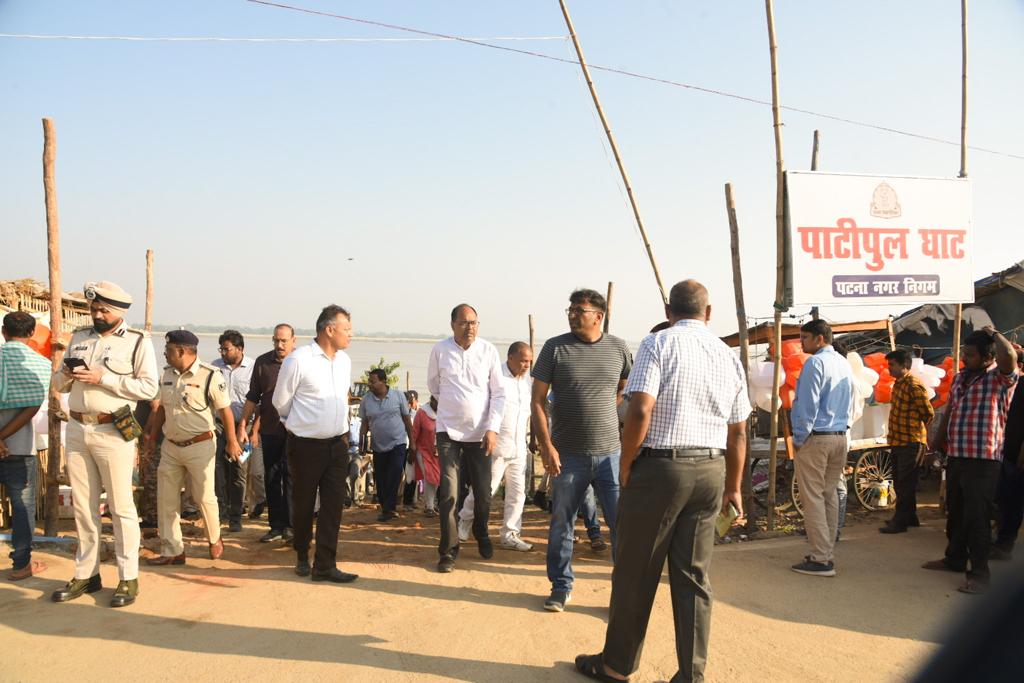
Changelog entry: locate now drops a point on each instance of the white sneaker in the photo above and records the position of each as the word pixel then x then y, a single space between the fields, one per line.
pixel 465 528
pixel 513 542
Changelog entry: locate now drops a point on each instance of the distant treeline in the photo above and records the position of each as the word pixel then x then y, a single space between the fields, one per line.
pixel 301 331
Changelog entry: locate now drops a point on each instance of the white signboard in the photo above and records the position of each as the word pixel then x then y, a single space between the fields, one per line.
pixel 858 239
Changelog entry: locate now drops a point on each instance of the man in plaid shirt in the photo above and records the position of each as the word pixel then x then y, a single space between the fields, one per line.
pixel 24 380
pixel 908 421
pixel 971 434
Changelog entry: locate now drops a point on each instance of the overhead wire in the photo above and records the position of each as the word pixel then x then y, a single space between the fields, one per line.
pixel 632 74
pixel 226 39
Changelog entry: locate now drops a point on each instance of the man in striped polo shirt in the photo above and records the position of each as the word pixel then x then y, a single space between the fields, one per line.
pixel 971 434
pixel 586 371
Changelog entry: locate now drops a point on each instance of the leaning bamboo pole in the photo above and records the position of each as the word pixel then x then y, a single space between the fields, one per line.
pixel 959 315
pixel 529 319
pixel 53 447
pixel 149 291
pixel 780 266
pixel 815 149
pixel 615 151
pixel 741 320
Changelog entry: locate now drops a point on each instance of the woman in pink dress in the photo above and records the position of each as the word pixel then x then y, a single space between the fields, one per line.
pixel 423 435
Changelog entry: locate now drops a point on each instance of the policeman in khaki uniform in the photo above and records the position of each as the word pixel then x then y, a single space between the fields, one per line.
pixel 190 393
pixel 107 367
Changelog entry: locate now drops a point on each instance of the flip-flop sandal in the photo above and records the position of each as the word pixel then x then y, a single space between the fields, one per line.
pixel 972 588
pixel 31 569
pixel 592 666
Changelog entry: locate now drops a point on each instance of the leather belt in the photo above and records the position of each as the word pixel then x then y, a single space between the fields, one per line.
pixel 815 432
pixel 328 440
pixel 92 418
pixel 675 453
pixel 205 436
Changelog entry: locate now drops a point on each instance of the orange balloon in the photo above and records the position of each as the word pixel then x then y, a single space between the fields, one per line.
pixel 793 365
pixel 41 341
pixel 883 393
pixel 876 361
pixel 787 395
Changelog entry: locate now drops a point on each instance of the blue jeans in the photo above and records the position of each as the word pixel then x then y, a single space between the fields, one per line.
pixel 589 511
pixel 568 490
pixel 18 474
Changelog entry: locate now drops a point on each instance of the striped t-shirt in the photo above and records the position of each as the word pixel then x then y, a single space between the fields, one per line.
pixel 584 379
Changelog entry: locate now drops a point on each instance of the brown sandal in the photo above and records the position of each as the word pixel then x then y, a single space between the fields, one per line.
pixel 31 569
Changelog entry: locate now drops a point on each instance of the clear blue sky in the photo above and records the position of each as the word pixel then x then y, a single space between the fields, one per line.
pixel 450 172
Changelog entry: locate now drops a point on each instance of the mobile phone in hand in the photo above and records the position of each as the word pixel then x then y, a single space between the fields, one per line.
pixel 72 363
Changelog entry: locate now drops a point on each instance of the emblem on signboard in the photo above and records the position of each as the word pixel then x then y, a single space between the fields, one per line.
pixel 884 203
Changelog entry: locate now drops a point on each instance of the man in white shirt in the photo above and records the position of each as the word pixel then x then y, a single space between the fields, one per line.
pixel 311 397
pixel 464 373
pixel 509 458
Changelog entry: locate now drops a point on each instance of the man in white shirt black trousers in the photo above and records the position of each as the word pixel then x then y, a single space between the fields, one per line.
pixel 311 397
pixel 464 373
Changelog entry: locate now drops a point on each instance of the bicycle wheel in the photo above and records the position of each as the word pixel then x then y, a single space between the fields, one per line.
pixel 873 467
pixel 794 494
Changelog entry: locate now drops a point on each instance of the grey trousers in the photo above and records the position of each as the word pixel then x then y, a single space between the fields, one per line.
pixel 667 510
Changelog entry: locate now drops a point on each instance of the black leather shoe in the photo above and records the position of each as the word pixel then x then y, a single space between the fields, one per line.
pixel 257 511
pixel 271 535
pixel 302 568
pixel 234 526
pixel 125 593
pixel 893 529
pixel 335 575
pixel 485 547
pixel 446 565
pixel 287 535
pixel 76 588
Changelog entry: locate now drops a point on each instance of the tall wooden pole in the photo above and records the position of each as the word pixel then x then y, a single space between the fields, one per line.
pixel 780 265
pixel 959 316
pixel 149 290
pixel 530 322
pixel 408 380
pixel 608 313
pixel 815 148
pixel 53 448
pixel 615 150
pixel 741 320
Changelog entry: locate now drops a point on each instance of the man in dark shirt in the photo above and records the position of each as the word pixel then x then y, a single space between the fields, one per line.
pixel 1010 494
pixel 586 370
pixel 271 433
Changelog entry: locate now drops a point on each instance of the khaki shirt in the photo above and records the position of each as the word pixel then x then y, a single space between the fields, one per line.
pixel 187 412
pixel 123 382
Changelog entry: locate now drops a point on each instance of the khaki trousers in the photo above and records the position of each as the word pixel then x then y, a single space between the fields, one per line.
pixel 196 462
pixel 819 462
pixel 99 458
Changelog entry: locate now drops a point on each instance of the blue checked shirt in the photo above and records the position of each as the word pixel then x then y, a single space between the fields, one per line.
pixel 24 376
pixel 823 395
pixel 698 384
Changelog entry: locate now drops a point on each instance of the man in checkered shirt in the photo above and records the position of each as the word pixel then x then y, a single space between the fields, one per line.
pixel 971 434
pixel 683 446
pixel 909 415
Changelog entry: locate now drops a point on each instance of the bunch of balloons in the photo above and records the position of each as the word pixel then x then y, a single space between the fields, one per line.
pixel 883 388
pixel 945 381
pixel 793 359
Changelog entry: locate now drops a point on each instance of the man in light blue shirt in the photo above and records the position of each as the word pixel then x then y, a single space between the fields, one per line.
pixel 820 418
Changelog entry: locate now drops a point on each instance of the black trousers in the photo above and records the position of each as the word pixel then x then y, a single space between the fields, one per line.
pixel 906 473
pixel 317 466
pixel 278 482
pixel 667 510
pixel 1010 500
pixel 970 501
pixel 388 467
pixel 229 483
pixel 469 460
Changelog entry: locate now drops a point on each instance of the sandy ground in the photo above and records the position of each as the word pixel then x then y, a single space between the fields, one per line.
pixel 248 617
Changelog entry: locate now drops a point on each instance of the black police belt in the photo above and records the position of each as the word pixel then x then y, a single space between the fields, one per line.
pixel 681 453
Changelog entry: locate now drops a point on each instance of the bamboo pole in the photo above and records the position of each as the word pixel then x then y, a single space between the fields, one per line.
pixel 53 448
pixel 892 333
pixel 149 290
pixel 608 313
pixel 815 148
pixel 959 315
pixel 741 320
pixel 408 380
pixel 615 151
pixel 530 322
pixel 780 265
